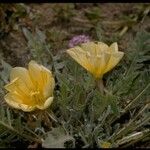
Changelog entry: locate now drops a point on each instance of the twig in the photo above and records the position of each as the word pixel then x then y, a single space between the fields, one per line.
pixel 123 31
pixel 22 135
pixel 129 105
pixel 137 97
pixel 129 125
pixel 133 137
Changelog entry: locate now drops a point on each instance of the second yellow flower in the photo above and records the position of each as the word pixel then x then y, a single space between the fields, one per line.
pixel 98 58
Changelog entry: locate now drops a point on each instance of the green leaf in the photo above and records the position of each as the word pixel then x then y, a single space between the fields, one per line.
pixel 4 75
pixel 99 103
pixel 57 138
pixel 112 100
pixel 37 45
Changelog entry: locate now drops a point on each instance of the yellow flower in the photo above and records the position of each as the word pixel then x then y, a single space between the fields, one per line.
pixel 98 58
pixel 104 144
pixel 30 89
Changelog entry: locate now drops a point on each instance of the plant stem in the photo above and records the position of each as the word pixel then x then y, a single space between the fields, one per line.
pixel 100 85
pixel 146 133
pixel 129 106
pixel 130 126
pixel 38 140
pixel 135 100
pixel 132 137
pixel 123 31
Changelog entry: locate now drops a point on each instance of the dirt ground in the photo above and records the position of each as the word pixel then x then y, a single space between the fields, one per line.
pixel 60 22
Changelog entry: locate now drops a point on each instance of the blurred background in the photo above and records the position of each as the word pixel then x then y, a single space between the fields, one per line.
pixel 60 22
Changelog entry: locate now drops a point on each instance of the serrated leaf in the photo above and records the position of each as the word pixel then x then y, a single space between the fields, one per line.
pixel 57 138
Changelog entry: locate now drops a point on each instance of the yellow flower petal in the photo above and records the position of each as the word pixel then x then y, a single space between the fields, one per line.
pixel 82 57
pixel 24 79
pixel 44 80
pixel 90 46
pixel 102 47
pixel 46 104
pixel 8 98
pixel 17 103
pixel 19 92
pixel 22 98
pixel 11 87
pixel 101 64
pixel 114 47
pixel 17 88
pixel 35 74
pixel 21 73
pixel 49 83
pixel 27 108
pixel 93 48
pixel 113 61
pixel 104 144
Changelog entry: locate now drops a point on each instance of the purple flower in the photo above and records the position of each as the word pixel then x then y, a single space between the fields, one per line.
pixel 78 39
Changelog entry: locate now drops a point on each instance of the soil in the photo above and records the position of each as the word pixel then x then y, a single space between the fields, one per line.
pixel 46 17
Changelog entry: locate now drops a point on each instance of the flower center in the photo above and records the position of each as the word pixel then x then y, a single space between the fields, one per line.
pixel 37 97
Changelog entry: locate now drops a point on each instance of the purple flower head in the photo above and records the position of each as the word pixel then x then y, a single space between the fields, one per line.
pixel 78 39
